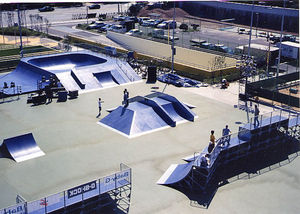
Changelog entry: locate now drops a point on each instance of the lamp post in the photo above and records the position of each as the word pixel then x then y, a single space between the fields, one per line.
pixel 87 15
pixel 20 31
pixel 257 14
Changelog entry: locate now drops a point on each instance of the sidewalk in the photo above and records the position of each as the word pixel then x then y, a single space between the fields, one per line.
pixel 228 96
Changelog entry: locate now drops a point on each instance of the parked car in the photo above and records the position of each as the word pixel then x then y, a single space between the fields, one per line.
pixel 46 9
pixel 117 28
pixel 148 23
pixel 94 6
pixel 167 24
pixel 184 27
pixel 119 18
pixel 142 19
pixel 160 33
pixel 157 22
pixel 96 25
pixel 104 28
pixel 134 32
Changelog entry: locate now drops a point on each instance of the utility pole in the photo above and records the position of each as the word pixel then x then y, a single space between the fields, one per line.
pixel 87 15
pixel 20 31
pixel 279 55
pixel 248 56
pixel 173 40
pixel 256 22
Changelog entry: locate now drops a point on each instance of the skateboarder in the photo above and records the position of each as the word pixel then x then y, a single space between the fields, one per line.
pixel 100 107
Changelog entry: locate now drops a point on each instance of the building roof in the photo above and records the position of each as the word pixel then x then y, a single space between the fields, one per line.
pixel 262 47
pixel 293 44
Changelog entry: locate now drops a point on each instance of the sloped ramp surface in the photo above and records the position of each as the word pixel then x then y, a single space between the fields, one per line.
pixel 106 79
pixel 133 120
pixel 147 114
pixel 175 173
pixel 22 148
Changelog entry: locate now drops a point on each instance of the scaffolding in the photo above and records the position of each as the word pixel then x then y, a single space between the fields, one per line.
pixel 272 142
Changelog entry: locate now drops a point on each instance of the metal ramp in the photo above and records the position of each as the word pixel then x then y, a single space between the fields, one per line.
pixel 147 114
pixel 175 173
pixel 277 131
pixel 22 148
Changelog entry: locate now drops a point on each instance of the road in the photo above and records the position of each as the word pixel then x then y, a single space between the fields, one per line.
pixel 62 23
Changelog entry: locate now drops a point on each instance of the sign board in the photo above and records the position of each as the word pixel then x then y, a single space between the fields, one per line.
pixel 55 202
pixel 71 196
pixel 114 181
pixel 16 209
pixel 79 190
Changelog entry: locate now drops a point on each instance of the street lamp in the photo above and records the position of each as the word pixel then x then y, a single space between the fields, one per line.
pixel 87 15
pixel 256 22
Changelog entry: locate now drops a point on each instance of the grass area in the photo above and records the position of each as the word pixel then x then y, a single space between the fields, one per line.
pixel 11 31
pixel 16 51
pixel 14 31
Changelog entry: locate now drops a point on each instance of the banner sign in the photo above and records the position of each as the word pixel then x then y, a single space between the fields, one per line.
pixel 55 202
pixel 82 189
pixel 114 181
pixel 16 209
pixel 71 196
pixel 36 207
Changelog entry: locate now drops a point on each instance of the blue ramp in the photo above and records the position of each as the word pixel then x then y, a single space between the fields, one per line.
pixel 175 173
pixel 106 79
pixel 133 120
pixel 22 147
pixel 144 115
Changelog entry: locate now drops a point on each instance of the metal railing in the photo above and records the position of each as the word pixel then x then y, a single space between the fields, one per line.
pixel 279 116
pixel 74 195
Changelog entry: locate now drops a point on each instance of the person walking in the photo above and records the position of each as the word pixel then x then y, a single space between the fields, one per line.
pixel 126 97
pixel 99 106
pixel 256 113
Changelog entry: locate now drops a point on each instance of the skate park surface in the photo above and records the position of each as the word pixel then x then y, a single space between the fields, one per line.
pixel 78 150
pixel 82 70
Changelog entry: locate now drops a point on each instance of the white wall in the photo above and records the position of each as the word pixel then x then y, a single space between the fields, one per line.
pixel 198 59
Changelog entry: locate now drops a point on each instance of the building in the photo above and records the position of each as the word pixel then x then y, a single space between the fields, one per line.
pixel 290 49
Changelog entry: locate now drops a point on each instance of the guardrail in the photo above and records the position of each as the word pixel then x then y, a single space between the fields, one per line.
pixel 73 195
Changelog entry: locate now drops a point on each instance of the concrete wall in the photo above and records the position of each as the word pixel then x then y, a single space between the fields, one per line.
pixel 196 59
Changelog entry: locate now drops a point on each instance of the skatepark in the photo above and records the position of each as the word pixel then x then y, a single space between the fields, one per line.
pixel 81 71
pixel 77 150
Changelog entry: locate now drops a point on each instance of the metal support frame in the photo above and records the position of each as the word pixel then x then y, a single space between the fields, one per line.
pixel 273 136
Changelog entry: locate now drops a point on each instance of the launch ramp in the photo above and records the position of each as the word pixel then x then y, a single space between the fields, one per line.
pixel 22 147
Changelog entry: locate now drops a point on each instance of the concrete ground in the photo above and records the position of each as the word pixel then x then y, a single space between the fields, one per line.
pixel 79 150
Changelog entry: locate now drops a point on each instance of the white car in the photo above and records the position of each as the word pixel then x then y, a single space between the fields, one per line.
pixel 117 28
pixel 134 32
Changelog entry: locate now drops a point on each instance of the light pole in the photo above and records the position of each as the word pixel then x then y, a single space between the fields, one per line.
pixel 20 31
pixel 87 15
pixel 256 22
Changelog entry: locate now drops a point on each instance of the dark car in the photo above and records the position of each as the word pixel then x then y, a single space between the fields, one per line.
pixel 46 9
pixel 94 6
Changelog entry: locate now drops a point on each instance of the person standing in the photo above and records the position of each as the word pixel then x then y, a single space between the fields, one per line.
pixel 226 132
pixel 125 97
pixel 99 106
pixel 256 113
pixel 212 139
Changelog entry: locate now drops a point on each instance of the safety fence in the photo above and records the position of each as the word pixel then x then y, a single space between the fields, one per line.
pixel 73 195
pixel 277 119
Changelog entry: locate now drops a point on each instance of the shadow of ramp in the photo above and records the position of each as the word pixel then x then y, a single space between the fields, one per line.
pixel 21 148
